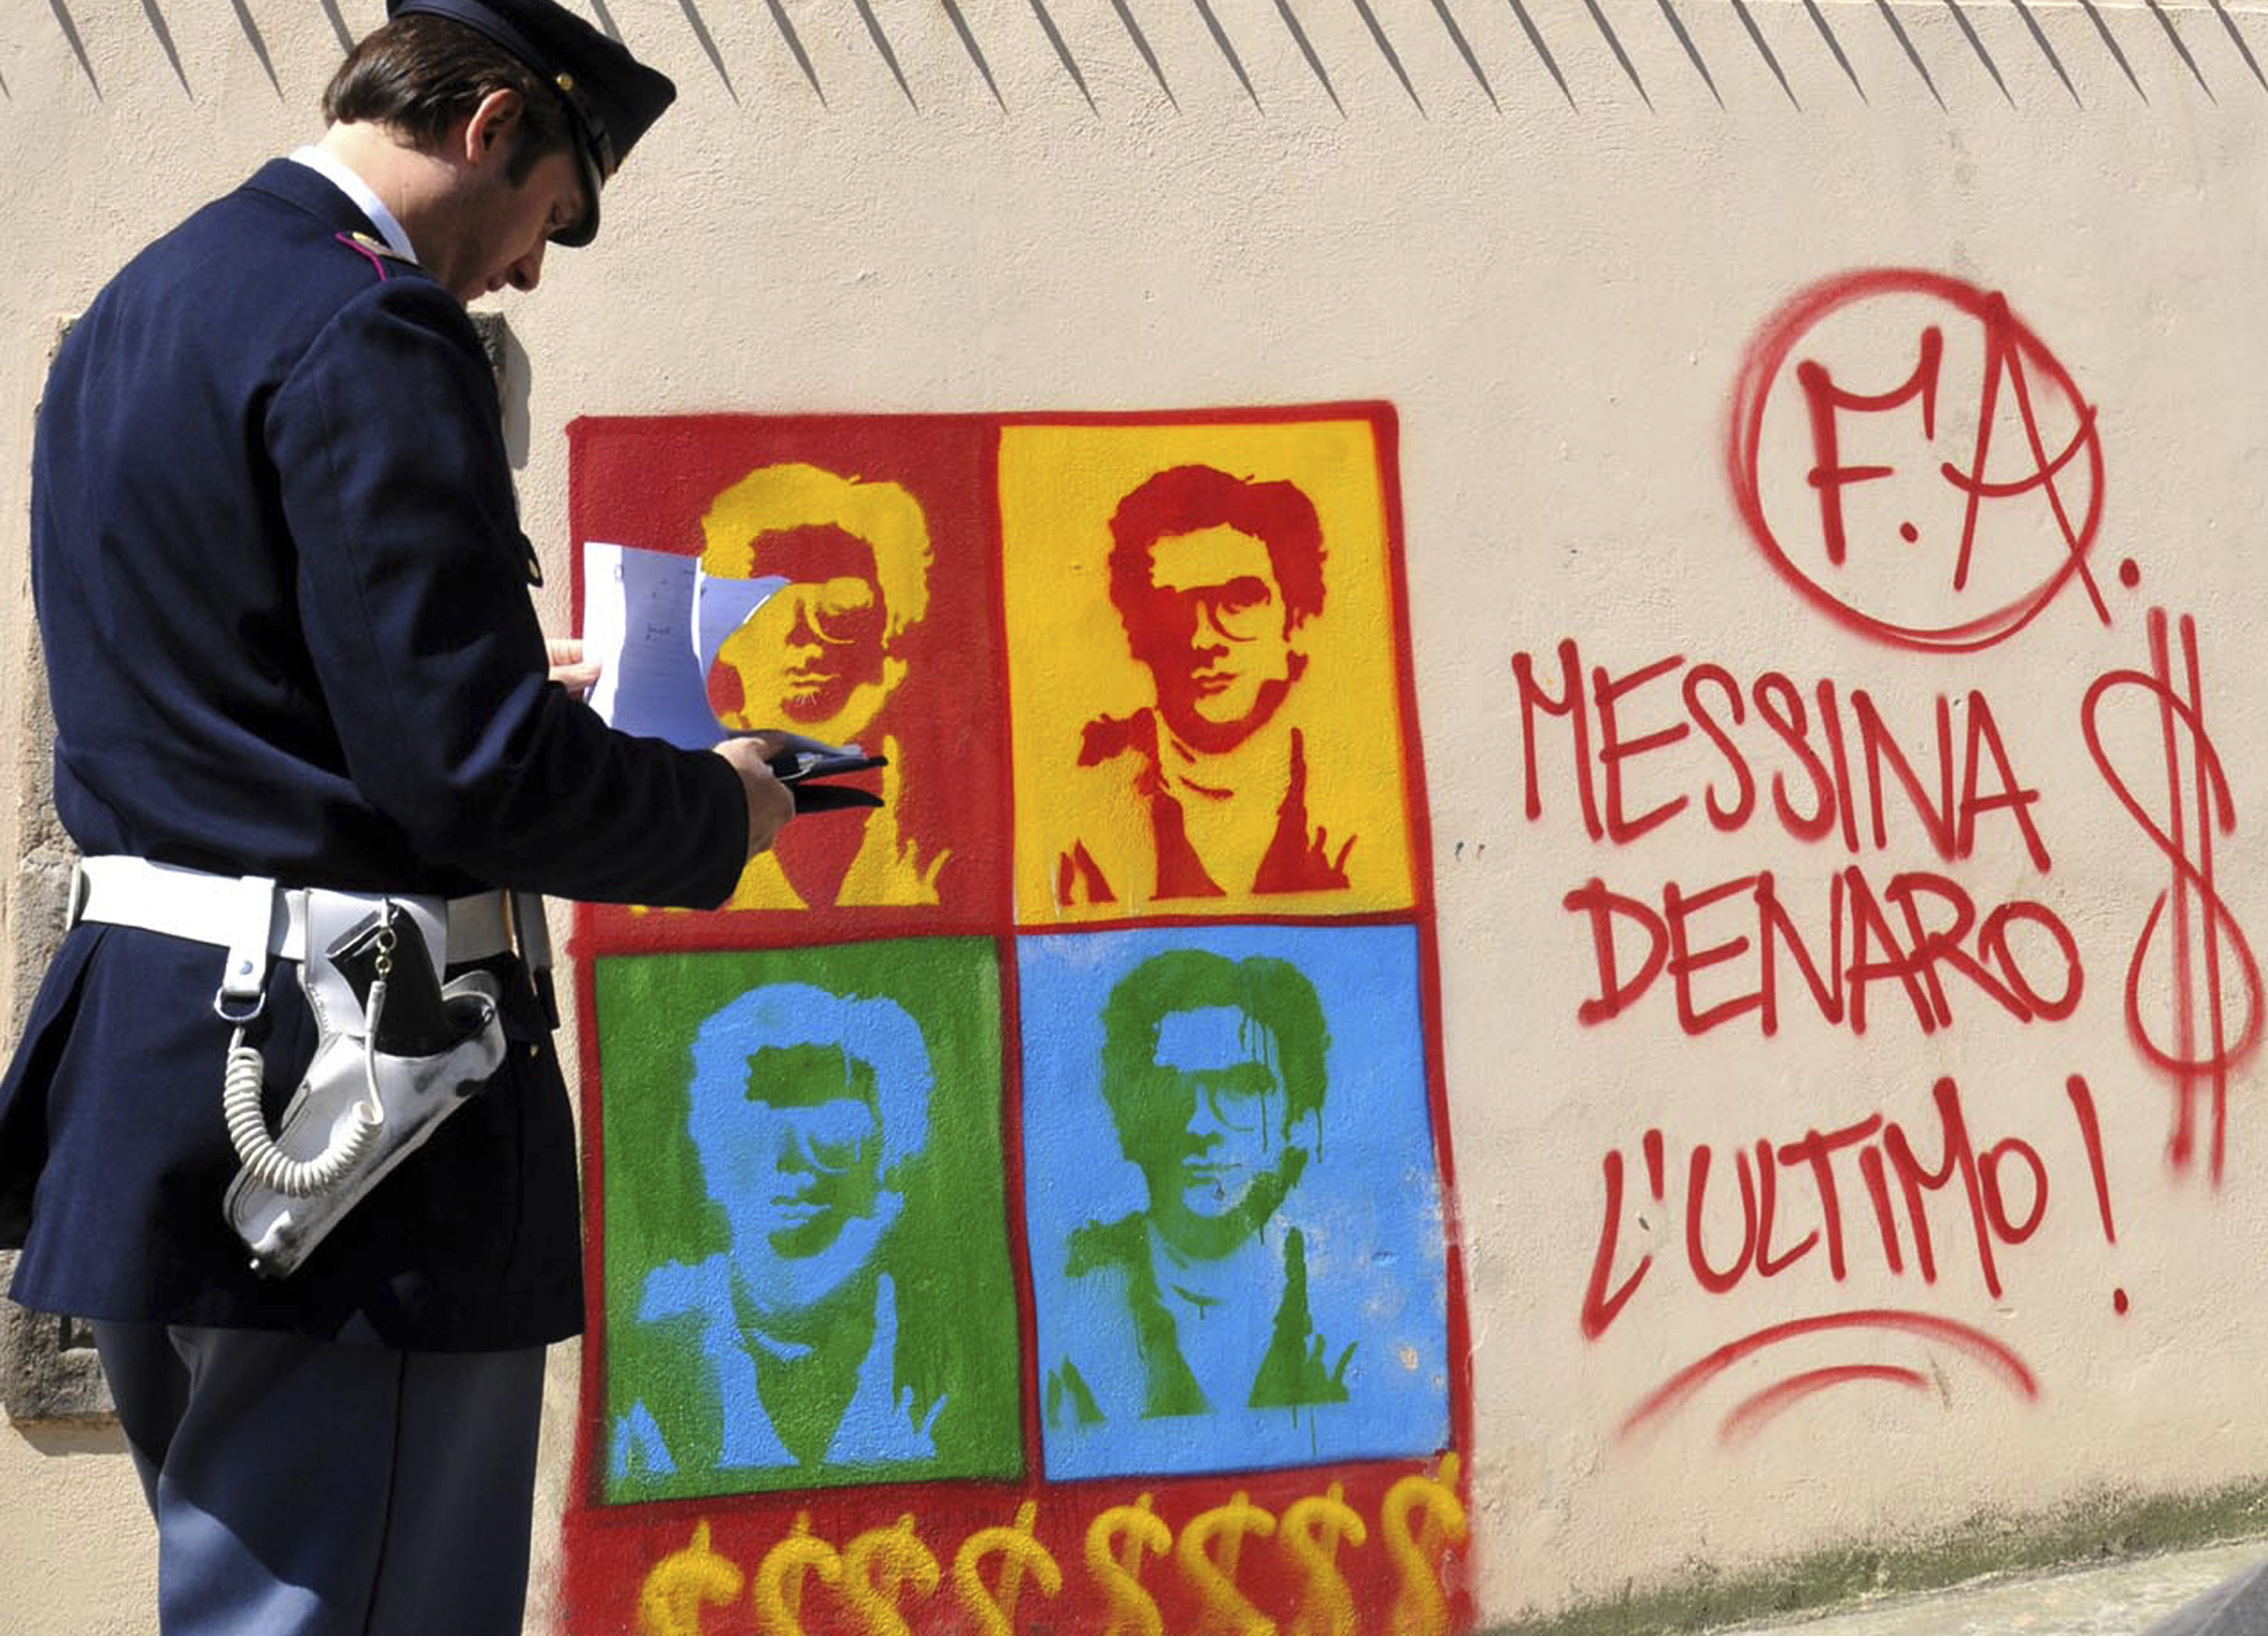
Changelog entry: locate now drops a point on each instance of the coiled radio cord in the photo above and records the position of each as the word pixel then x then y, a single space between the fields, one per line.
pixel 242 1079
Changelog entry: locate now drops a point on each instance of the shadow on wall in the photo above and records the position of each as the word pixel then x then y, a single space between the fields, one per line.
pixel 1986 36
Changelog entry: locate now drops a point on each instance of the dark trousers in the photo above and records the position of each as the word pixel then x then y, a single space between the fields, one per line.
pixel 303 1488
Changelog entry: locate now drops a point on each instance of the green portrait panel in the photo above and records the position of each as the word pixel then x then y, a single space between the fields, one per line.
pixel 805 1235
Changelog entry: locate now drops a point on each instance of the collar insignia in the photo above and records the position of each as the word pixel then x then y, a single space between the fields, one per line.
pixel 376 251
pixel 376 246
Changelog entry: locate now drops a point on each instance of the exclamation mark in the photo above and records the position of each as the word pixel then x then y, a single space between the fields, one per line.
pixel 2090 1132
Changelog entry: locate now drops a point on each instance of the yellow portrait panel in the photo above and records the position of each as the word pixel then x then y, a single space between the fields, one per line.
pixel 1203 685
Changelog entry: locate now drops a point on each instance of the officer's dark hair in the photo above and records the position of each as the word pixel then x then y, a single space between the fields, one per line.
pixel 419 74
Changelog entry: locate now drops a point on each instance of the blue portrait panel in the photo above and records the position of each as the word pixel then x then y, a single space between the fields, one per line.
pixel 1231 1197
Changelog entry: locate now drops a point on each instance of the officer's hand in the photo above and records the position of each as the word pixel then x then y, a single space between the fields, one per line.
pixel 770 805
pixel 569 669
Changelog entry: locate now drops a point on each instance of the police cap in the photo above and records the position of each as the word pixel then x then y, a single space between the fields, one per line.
pixel 611 97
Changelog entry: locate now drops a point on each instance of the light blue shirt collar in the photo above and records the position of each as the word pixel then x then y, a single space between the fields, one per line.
pixel 329 166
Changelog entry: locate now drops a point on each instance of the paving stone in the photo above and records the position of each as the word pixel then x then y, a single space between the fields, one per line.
pixel 2123 1599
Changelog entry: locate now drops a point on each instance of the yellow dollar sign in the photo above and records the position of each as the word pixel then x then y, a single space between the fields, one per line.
pixel 780 1576
pixel 876 1567
pixel 994 1613
pixel 1312 1530
pixel 1214 1578
pixel 670 1601
pixel 1132 1610
pixel 1421 1610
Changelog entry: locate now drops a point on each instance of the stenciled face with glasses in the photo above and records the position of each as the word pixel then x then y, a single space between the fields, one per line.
pixel 819 656
pixel 1214 633
pixel 804 1103
pixel 1214 577
pixel 1234 1152
pixel 813 655
pixel 1213 1071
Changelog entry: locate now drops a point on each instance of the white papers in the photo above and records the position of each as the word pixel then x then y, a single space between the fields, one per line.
pixel 655 623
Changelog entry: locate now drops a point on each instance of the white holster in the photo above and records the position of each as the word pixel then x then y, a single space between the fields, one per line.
pixel 360 1110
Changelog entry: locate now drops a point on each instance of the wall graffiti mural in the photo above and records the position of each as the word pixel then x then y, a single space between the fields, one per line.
pixel 1027 1205
pixel 1925 473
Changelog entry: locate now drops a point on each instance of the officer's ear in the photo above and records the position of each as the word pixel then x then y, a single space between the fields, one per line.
pixel 489 130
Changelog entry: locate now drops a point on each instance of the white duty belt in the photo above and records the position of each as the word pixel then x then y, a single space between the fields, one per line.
pixel 254 919
pixel 368 1098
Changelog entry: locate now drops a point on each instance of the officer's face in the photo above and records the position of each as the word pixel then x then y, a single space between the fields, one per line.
pixel 494 234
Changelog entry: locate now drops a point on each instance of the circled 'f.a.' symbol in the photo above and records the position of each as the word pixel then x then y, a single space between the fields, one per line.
pixel 1915 461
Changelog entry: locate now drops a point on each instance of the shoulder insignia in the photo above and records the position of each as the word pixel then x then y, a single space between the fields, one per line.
pixel 376 251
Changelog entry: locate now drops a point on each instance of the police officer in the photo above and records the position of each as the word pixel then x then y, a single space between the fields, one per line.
pixel 283 595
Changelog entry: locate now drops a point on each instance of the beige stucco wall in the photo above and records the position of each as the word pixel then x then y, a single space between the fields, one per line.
pixel 1555 293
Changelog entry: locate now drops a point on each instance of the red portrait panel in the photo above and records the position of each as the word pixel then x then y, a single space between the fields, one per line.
pixel 885 634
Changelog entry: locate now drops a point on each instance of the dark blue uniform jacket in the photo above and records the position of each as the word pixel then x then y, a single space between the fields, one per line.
pixel 283 595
